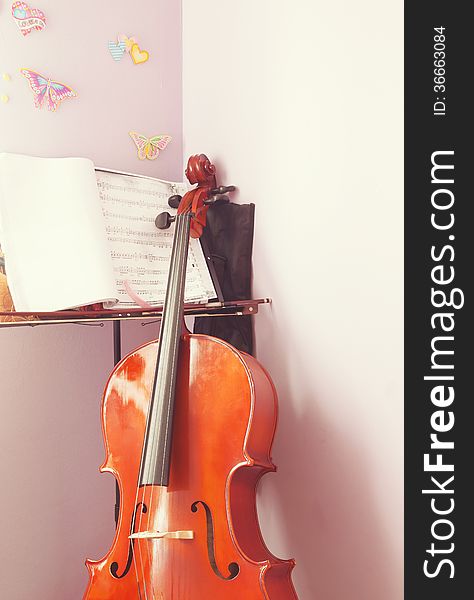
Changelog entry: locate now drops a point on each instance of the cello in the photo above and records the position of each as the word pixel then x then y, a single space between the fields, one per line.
pixel 188 423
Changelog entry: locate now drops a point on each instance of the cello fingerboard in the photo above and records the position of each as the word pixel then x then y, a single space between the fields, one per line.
pixel 155 462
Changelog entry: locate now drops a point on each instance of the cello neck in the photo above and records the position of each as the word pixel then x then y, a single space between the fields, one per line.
pixel 155 461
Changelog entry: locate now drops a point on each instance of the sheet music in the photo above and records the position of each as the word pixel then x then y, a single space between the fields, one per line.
pixel 72 235
pixel 140 252
pixel 51 231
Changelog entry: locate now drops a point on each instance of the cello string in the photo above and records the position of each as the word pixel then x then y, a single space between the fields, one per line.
pixel 137 542
pixel 174 279
pixel 174 363
pixel 183 239
pixel 179 234
pixel 141 491
pixel 177 283
pixel 137 576
pixel 171 285
pixel 136 572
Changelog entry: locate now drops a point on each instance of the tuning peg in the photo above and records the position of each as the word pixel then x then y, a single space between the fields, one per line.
pixel 164 220
pixel 173 201
pixel 219 194
pixel 222 189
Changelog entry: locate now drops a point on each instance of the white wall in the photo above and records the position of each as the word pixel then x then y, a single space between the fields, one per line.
pixel 300 105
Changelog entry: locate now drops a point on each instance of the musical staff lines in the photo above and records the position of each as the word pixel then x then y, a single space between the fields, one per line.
pixel 140 252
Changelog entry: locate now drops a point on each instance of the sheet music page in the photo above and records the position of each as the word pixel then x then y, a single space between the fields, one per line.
pixel 51 231
pixel 140 252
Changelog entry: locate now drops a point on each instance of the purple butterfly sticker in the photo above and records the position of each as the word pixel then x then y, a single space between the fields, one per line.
pixel 45 88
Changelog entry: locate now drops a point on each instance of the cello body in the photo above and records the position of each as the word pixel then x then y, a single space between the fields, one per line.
pixel 223 427
pixel 188 423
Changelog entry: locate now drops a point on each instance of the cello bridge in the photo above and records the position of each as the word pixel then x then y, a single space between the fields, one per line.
pixel 157 535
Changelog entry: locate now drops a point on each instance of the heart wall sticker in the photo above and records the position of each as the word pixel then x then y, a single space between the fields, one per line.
pixel 117 50
pixel 28 19
pixel 138 56
pixel 130 45
pixel 128 41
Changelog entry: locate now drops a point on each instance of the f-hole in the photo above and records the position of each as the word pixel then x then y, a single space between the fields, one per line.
pixel 114 566
pixel 232 567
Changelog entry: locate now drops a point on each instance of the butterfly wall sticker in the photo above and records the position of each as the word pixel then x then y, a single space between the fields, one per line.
pixel 149 147
pixel 47 90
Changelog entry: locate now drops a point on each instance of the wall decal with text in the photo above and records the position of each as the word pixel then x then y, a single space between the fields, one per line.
pixel 28 19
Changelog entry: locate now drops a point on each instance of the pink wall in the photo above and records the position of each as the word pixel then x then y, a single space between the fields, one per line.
pixel 113 97
pixel 56 509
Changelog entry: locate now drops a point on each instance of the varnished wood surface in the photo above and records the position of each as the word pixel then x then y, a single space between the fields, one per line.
pixel 223 430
